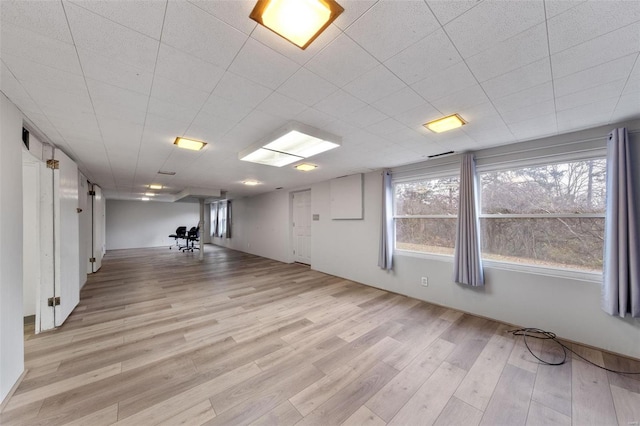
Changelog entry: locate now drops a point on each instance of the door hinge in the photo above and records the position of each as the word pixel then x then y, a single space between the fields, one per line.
pixel 53 301
pixel 92 193
pixel 53 164
pixel 92 260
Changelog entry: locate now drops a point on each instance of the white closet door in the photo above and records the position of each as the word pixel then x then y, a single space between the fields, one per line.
pixel 66 236
pixel 302 227
pixel 98 227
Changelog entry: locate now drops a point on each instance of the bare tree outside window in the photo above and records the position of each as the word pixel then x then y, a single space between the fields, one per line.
pixel 550 215
pixel 425 214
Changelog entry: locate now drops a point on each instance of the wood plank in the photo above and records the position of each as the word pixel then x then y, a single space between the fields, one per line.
pixel 510 401
pixel 284 414
pixel 457 413
pixel 394 395
pixel 541 415
pixel 627 405
pixel 553 382
pixel 427 403
pixel 106 416
pixel 196 415
pixel 364 417
pixel 592 403
pixel 478 385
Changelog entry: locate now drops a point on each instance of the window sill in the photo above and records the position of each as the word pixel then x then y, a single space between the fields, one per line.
pixel 592 277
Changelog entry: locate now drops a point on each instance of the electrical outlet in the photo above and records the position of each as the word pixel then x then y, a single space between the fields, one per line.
pixel 424 282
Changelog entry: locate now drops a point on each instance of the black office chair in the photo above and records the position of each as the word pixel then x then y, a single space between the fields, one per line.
pixel 193 236
pixel 181 233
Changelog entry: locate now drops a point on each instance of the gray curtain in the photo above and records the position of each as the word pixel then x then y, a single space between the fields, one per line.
pixel 385 256
pixel 228 230
pixel 621 284
pixel 467 263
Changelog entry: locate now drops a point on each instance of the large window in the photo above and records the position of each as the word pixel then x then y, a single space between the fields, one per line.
pixel 425 214
pixel 551 215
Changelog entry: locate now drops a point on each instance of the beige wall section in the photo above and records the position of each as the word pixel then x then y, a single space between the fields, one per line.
pixel 11 322
pixel 137 224
pixel 349 249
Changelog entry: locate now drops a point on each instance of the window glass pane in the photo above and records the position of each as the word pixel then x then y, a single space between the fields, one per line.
pixel 576 187
pixel 426 235
pixel 425 197
pixel 574 243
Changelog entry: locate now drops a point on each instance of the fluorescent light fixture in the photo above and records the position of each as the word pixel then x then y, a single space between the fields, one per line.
pixel 305 167
pixel 155 186
pixel 189 144
pixel 145 198
pixel 149 194
pixel 251 182
pixel 299 21
pixel 446 123
pixel 290 143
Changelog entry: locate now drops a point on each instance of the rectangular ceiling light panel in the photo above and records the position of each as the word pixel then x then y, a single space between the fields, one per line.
pixel 299 21
pixel 446 123
pixel 289 144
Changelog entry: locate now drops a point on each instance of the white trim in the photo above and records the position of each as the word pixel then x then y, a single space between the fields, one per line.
pixel 427 216
pixel 594 277
pixel 424 255
pixel 542 216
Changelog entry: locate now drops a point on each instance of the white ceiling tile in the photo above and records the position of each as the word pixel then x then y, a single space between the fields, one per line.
pixel 118 132
pixel 128 13
pixel 595 76
pixel 600 50
pixel 186 69
pixel 38 48
pixel 315 118
pixel 399 102
pixel 209 128
pixel 531 96
pixel 519 79
pixel 431 54
pixel 489 132
pixel 177 93
pixel 446 10
pixel 479 113
pixel 33 72
pixel 530 111
pixel 98 34
pixel 341 61
pixel 240 90
pixel 115 73
pixel 281 106
pixel 262 65
pixel 339 104
pixel 172 110
pixel 590 20
pixel 554 8
pixel 306 87
pixel 603 92
pixel 497 21
pixel 353 9
pixel 105 93
pixel 374 85
pixel 365 116
pixel 391 26
pixel 541 125
pixel 465 98
pixel 523 49
pixel 627 108
pixel 231 111
pixel 262 122
pixel 416 117
pixel 387 127
pixel 43 17
pixel 440 83
pixel 15 92
pixel 235 13
pixel 586 116
pixel 633 82
pixel 187 28
pixel 290 50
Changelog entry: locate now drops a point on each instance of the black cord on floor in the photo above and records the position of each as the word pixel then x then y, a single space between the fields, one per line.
pixel 536 333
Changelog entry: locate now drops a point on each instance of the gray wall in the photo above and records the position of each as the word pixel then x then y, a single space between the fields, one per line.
pixel 349 248
pixel 138 224
pixel 11 323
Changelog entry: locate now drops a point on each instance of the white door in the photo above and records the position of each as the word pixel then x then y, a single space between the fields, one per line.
pixel 46 289
pixel 66 237
pixel 30 232
pixel 84 236
pixel 98 223
pixel 302 227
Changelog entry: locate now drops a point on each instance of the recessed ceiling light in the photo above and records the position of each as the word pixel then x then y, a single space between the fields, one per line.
pixel 290 143
pixel 145 198
pixel 299 21
pixel 189 144
pixel 446 123
pixel 155 186
pixel 305 167
pixel 251 182
pixel 149 194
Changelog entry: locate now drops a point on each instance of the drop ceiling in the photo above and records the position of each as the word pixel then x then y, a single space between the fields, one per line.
pixel 113 83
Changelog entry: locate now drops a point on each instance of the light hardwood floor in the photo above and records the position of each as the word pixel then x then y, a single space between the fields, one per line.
pixel 161 338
